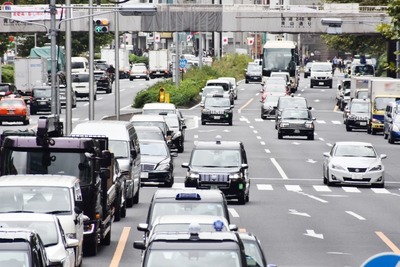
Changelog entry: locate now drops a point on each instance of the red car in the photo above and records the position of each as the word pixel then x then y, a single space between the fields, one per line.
pixel 14 108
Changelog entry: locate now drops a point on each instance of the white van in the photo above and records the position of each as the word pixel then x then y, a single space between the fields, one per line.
pixel 124 143
pixel 321 74
pixel 392 108
pixel 80 85
pixel 79 64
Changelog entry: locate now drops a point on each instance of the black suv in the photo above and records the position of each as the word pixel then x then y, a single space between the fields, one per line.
pixel 357 115
pixel 41 99
pixel 217 109
pixel 253 73
pixel 289 102
pixel 296 122
pixel 219 164
pixel 103 81
pixel 22 247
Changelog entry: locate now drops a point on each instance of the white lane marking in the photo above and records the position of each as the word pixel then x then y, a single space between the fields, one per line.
pixel 267 151
pixel 296 143
pixel 321 121
pixel 312 233
pixel 380 190
pixel 311 161
pixel 329 144
pixel 251 126
pixel 259 137
pixel 233 212
pixel 294 188
pixel 316 198
pixel 196 121
pixel 245 105
pixel 258 119
pixel 279 168
pixel 262 143
pixel 351 189
pixel 295 212
pixel 179 185
pixel 316 100
pixel 361 218
pixel 337 122
pixel 264 187
pixel 322 188
pixel 195 136
pixel 194 107
pixel 75 119
pixel 321 139
pixel 255 131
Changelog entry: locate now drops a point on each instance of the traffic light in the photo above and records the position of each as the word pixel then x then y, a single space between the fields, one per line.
pixel 161 95
pixel 101 25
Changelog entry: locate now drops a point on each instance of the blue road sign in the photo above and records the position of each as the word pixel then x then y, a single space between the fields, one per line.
pixel 383 259
pixel 182 63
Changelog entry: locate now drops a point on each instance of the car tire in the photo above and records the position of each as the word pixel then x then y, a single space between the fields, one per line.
pixel 25 121
pixel 311 85
pixel 390 139
pixel 246 81
pixel 230 122
pixel 147 78
pixel 203 123
pixel 310 136
pixel 106 241
pixel 348 128
pixel 129 202
pixel 123 210
pixel 90 245
pixel 373 131
pixel 170 183
pixel 181 146
pixel 369 129
pixel 131 79
pixel 108 91
pixel 33 112
pixel 280 135
pixel 117 213
pixel 328 183
pixel 242 198
pixel 135 199
pixel 382 185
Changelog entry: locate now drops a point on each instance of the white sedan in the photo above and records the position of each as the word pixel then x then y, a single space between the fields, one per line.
pixel 354 163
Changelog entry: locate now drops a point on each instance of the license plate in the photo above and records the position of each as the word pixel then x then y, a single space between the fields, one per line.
pixel 356 176
pixel 144 175
pixel 137 76
pixel 217 117
pixel 157 72
pixel 321 83
pixel 363 123
pixel 296 131
pixel 42 103
pixel 11 112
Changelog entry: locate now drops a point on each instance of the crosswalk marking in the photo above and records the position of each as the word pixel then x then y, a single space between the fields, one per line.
pixel 322 188
pixel 380 190
pixel 337 122
pixel 294 188
pixel 351 189
pixel 264 187
pixel 321 121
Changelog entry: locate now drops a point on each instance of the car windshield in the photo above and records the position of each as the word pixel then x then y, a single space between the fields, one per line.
pixel 4 88
pixel 359 107
pixel 215 158
pixel 364 70
pixel 15 257
pixel 119 148
pixel 80 78
pixel 139 69
pixel 362 94
pixel 212 90
pixel 11 103
pixel 153 149
pixel 290 102
pixel 183 227
pixel 187 208
pixel 160 124
pixel 276 88
pixel 35 199
pixel 321 67
pixel 295 114
pixel 271 101
pixel 193 258
pixel 217 102
pixel 157 111
pixel 150 135
pixel 42 93
pixel 380 103
pixel 253 253
pixel 254 68
pixel 355 151
pixel 224 85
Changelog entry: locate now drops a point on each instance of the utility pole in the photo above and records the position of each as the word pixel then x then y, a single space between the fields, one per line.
pixel 53 34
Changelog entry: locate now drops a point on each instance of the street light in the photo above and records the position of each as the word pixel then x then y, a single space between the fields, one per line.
pixel 137 9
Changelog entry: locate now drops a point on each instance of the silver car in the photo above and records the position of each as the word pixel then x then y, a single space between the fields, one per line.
pixel 354 163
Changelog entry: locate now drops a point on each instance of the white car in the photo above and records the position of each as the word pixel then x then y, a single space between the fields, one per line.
pixel 209 91
pixel 354 163
pixel 234 85
pixel 80 84
pixel 59 248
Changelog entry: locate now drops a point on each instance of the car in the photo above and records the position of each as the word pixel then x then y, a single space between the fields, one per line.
pixel 307 70
pixel 7 89
pixel 187 201
pixel 103 81
pixel 394 130
pixel 139 71
pixel 254 252
pixel 358 114
pixel 63 96
pixel 178 132
pixel 22 247
pixel 14 109
pixel 210 91
pixel 342 87
pixel 150 133
pixel 226 85
pixel 321 74
pixel 180 223
pixel 274 89
pixel 220 165
pixel 289 102
pixel 217 109
pixel 233 84
pixel 62 197
pixel 253 72
pixel 59 248
pixel 392 108
pixel 152 120
pixel 193 248
pixel 156 108
pixel 101 64
pixel 285 75
pixel 267 107
pixel 157 163
pixel 355 163
pixel 80 84
pixel 40 100
pixel 296 122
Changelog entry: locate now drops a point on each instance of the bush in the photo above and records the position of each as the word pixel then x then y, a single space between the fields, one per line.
pixel 187 93
pixel 136 59
pixel 7 73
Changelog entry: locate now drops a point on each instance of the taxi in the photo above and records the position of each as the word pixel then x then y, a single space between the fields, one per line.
pixel 13 108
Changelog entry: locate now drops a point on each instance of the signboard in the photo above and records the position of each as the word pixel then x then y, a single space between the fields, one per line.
pixel 33 12
pixel 224 40
pixel 182 63
pixel 6 6
pixel 383 259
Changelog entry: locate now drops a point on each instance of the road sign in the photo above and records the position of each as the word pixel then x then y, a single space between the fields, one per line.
pixel 6 6
pixel 383 259
pixel 182 63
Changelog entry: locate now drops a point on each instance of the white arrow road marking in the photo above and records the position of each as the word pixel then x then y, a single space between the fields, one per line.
pixel 313 197
pixel 361 218
pixel 233 212
pixel 321 139
pixel 311 161
pixel 313 234
pixel 329 144
pixel 279 168
pixel 227 131
pixel 258 119
pixel 295 212
pixel 262 143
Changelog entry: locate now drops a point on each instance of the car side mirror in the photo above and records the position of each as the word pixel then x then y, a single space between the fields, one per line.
pixel 383 156
pixel 184 126
pixel 339 87
pixel 143 227
pixel 326 154
pixel 185 165
pixel 309 108
pixel 174 154
pixel 244 166
pixel 139 245
pixel 202 105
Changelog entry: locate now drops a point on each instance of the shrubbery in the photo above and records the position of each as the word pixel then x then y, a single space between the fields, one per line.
pixel 231 65
pixel 7 73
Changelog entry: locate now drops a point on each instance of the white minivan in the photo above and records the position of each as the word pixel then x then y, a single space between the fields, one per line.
pixel 79 64
pixel 80 85
pixel 321 74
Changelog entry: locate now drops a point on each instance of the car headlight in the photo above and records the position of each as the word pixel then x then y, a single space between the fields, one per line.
pixel 228 111
pixel 395 128
pixel 284 124
pixel 338 167
pixel 376 168
pixel 192 175
pixel 71 235
pixel 163 166
pixel 375 121
pixel 206 111
pixel 237 175
pixel 351 117
pixel 309 125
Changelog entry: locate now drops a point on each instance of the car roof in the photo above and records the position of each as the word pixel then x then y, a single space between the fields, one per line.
pixel 147 129
pixel 227 78
pixel 16 234
pixel 207 195
pixel 366 100
pixel 217 81
pixel 218 237
pixel 41 180
pixel 189 218
pixel 223 145
pixel 144 117
pixel 37 217
pixel 159 106
pixel 353 143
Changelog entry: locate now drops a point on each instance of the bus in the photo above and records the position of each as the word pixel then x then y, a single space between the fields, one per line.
pixel 281 56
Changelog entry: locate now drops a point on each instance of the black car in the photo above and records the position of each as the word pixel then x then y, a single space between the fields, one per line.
pixel 219 164
pixel 357 115
pixel 296 122
pixel 178 131
pixel 7 89
pixel 217 109
pixel 289 102
pixel 157 164
pixel 41 99
pixel 253 73
pixel 103 81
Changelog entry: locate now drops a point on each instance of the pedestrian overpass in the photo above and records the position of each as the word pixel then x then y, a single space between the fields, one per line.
pixel 355 19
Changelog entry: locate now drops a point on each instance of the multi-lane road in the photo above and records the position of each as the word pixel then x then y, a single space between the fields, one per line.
pixel 300 221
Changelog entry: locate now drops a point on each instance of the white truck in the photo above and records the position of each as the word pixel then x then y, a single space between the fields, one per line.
pixel 159 63
pixel 29 72
pixel 359 87
pixel 381 91
pixel 108 54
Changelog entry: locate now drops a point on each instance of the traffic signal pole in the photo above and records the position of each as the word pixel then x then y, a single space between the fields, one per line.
pixel 91 64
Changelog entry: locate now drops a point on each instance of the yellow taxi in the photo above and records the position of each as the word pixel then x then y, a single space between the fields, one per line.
pixel 14 108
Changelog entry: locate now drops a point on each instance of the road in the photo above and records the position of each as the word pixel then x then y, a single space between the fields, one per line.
pixel 300 221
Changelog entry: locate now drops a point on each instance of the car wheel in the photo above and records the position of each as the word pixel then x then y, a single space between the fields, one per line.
pixel 324 176
pixel 310 136
pixel 129 202
pixel 382 185
pixel 90 245
pixel 33 112
pixel 280 135
pixel 230 122
pixel 107 239
pixel 108 91
pixel 95 96
pixel 123 210
pixel 181 146
pixel 373 131
pixel 170 183
pixel 203 123
pixel 242 198
pixel 348 128
pixel 369 129
pixel 311 85
pixel 390 139
pixel 131 79
pixel 135 199
pixel 26 121
pixel 117 213
pixel 147 78
pixel 328 182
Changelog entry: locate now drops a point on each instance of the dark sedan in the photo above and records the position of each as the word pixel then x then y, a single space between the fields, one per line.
pixel 296 122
